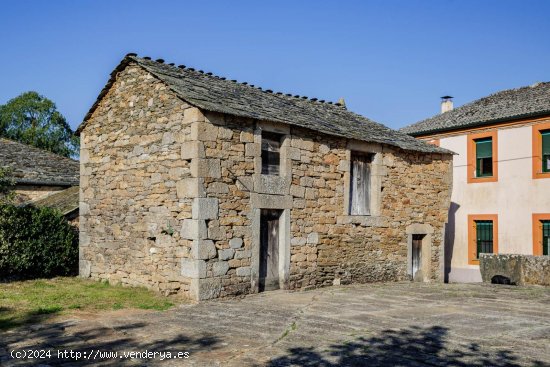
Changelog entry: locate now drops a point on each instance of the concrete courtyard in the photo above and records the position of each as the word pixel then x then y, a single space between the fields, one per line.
pixel 398 324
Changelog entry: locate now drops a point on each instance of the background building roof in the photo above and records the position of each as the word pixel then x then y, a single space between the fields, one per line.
pixel 530 101
pixel 66 201
pixel 36 166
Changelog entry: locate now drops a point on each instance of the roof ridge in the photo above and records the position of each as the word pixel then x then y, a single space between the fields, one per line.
pixel 245 84
pixel 216 94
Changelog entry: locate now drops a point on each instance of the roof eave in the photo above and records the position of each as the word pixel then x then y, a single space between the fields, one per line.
pixel 479 123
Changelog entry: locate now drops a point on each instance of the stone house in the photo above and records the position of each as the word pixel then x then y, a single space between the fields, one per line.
pixel 195 185
pixel 501 176
pixel 41 177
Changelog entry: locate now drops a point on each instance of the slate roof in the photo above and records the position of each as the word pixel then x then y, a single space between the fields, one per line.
pixel 66 201
pixel 511 104
pixel 36 166
pixel 216 94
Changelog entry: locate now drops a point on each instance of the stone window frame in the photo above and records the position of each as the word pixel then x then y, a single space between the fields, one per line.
pixel 537 150
pixel 377 172
pixel 271 192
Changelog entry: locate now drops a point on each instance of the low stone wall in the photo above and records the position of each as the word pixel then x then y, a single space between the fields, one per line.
pixel 518 269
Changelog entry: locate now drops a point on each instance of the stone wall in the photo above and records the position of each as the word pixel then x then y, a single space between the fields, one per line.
pixel 326 245
pixel 171 199
pixel 131 164
pixel 518 269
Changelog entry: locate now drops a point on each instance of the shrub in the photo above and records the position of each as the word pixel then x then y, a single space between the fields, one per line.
pixel 36 242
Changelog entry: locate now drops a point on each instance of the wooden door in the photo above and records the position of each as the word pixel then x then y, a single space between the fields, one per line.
pixel 269 250
pixel 416 254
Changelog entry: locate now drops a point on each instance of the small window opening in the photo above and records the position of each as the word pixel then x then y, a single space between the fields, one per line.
pixel 360 182
pixel 484 157
pixel 271 155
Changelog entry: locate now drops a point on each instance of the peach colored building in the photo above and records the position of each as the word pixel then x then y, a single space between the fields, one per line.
pixel 501 177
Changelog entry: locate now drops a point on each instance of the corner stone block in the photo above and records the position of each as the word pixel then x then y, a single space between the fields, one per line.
pixel 194 229
pixel 83 238
pixel 192 149
pixel 203 289
pixel 201 167
pixel 191 115
pixel 84 268
pixel 205 208
pixel 194 269
pixel 84 155
pixel 203 131
pixel 190 188
pixel 203 249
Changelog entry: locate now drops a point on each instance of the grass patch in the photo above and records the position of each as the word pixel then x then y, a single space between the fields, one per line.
pixel 33 301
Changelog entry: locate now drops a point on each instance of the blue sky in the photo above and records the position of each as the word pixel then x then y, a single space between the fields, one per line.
pixel 391 60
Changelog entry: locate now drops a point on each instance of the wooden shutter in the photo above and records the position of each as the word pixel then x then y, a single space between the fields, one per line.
pixel 484 148
pixel 484 155
pixel 360 185
pixel 545 142
pixel 545 151
pixel 271 158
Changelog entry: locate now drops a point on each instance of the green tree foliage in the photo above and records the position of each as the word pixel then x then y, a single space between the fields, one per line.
pixel 34 120
pixel 36 242
pixel 7 184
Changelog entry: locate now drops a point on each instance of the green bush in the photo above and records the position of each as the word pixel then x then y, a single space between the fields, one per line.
pixel 36 242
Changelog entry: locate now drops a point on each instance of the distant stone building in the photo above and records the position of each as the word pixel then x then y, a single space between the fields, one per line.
pixel 205 187
pixel 41 177
pixel 501 181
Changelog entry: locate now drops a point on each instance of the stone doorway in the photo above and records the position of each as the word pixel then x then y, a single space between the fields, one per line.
pixel 416 256
pixel 269 249
pixel 419 252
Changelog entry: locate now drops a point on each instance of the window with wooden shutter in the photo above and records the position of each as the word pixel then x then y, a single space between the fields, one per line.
pixel 360 182
pixel 545 150
pixel 271 156
pixel 484 157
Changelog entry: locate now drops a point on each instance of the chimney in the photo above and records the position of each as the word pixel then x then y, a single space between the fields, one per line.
pixel 341 102
pixel 446 104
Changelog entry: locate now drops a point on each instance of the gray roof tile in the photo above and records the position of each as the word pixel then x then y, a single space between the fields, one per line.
pixel 530 101
pixel 215 94
pixel 36 166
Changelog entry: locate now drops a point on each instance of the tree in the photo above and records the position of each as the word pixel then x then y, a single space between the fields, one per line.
pixel 34 120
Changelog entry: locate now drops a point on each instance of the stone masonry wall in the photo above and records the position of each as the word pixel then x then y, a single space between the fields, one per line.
pixel 518 269
pixel 171 198
pixel 326 246
pixel 132 171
